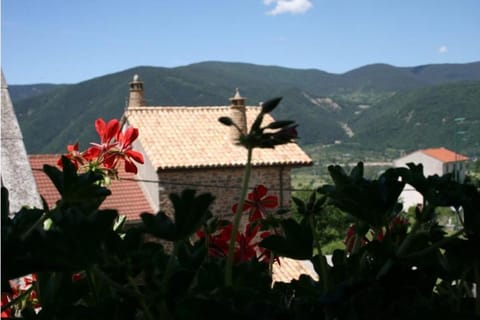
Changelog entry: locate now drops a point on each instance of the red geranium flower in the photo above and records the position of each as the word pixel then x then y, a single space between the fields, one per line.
pixel 257 202
pixel 101 151
pixel 350 238
pixel 125 140
pixel 74 155
pixel 107 132
pixel 6 298
pixel 78 276
pixel 30 279
pixel 246 244
pixel 248 248
pixel 218 243
pixel 114 146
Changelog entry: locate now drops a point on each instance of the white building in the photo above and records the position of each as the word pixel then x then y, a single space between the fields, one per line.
pixel 435 161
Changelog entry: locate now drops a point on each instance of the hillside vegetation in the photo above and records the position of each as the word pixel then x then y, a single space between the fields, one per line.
pixel 365 108
pixel 445 115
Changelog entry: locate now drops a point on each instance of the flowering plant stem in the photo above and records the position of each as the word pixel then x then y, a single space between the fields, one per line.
pixel 476 274
pixel 92 284
pixel 138 294
pixel 321 258
pixel 170 267
pixel 17 299
pixel 237 218
pixel 40 221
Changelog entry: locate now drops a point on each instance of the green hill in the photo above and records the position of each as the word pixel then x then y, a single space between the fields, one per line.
pixel 327 106
pixel 19 92
pixel 444 115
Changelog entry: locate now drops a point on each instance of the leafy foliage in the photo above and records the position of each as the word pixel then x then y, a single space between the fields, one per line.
pixel 331 222
pixel 86 269
pixel 424 118
pixel 170 265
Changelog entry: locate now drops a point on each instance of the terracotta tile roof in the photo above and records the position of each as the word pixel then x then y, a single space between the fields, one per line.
pixel 444 155
pixel 192 137
pixel 290 269
pixel 126 197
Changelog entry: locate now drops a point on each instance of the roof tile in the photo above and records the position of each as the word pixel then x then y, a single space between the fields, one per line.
pixel 291 269
pixel 192 137
pixel 126 197
pixel 444 155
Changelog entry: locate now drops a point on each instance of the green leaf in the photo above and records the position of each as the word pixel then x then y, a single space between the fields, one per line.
pixel 357 172
pixel 339 257
pixel 279 124
pixel 191 211
pixel 5 205
pixel 82 190
pixel 104 220
pixel 269 105
pixel 226 121
pixel 301 207
pixel 414 176
pixel 255 128
pixel 159 225
pixel 25 219
pixel 191 256
pixel 55 175
pixel 338 175
pixel 372 201
pixel 297 243
pixel 282 211
pixel 470 203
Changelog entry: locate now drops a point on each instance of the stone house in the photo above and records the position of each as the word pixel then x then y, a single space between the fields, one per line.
pixel 435 161
pixel 186 147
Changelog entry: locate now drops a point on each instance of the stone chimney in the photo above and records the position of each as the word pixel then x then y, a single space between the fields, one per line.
pixel 238 115
pixel 136 98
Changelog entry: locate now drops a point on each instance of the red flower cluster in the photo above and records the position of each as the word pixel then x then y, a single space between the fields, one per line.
pixel 115 146
pixel 246 243
pixel 397 227
pixel 258 203
pixel 19 287
pixel 351 237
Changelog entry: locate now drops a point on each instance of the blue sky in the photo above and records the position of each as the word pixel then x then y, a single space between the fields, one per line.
pixel 63 41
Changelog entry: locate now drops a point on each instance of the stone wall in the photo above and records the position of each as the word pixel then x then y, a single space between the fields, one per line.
pixel 224 184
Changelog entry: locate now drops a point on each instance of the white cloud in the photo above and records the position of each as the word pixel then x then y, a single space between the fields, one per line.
pixel 442 49
pixel 288 6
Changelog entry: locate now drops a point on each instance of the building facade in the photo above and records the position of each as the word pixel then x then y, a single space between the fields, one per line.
pixel 435 161
pixel 186 147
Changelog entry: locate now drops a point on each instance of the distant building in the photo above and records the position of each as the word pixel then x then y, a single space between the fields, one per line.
pixel 186 147
pixel 435 161
pixel 16 174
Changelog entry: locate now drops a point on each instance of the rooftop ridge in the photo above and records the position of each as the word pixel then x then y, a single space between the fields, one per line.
pixel 192 138
pixel 188 108
pixel 239 164
pixel 443 154
pixel 45 155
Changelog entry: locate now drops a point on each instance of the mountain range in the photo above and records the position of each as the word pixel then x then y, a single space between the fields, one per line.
pixel 373 107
